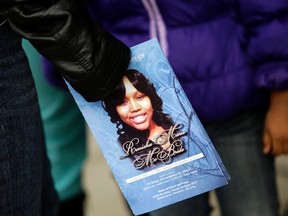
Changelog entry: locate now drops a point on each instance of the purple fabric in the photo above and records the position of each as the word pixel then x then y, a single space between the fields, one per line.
pixel 273 76
pixel 51 75
pixel 226 54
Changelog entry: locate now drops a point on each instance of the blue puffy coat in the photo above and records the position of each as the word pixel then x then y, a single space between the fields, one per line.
pixel 227 54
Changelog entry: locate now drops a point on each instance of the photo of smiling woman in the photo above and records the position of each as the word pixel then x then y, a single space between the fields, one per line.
pixel 147 135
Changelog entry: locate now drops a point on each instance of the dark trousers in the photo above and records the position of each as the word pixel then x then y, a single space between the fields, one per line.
pixel 26 187
pixel 73 206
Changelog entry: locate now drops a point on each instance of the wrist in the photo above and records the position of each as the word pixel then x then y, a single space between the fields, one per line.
pixel 279 99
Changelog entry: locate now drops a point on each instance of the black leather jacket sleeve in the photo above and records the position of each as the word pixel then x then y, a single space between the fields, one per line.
pixel 88 57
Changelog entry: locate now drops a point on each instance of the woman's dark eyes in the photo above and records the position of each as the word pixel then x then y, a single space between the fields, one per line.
pixel 124 102
pixel 137 97
pixel 140 97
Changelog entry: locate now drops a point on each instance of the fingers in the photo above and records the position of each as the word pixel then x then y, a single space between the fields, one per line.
pixel 277 148
pixel 274 146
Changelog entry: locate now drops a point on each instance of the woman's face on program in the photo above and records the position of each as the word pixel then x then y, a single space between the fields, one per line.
pixel 136 109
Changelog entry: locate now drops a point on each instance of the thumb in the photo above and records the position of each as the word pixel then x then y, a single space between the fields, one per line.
pixel 267 142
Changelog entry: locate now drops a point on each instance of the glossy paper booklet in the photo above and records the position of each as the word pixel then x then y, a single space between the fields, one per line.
pixel 151 136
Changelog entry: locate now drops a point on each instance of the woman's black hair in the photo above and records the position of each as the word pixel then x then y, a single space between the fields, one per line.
pixel 142 84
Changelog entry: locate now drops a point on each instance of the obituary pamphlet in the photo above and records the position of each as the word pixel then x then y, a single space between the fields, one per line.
pixel 151 137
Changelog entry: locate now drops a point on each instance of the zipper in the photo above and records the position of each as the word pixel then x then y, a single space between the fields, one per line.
pixel 157 25
pixel 3 22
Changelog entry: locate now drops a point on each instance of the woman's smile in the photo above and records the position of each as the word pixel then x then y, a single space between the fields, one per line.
pixel 138 119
